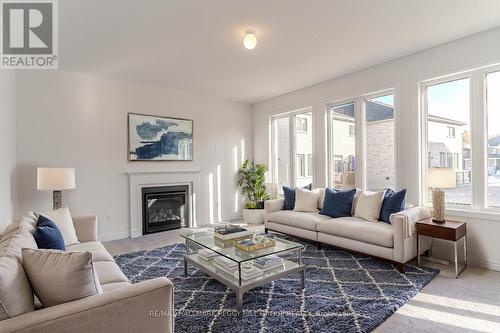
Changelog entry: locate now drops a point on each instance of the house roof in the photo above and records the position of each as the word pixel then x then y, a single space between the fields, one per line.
pixel 494 140
pixel 439 119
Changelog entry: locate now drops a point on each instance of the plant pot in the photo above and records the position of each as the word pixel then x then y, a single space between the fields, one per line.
pixel 260 204
pixel 253 216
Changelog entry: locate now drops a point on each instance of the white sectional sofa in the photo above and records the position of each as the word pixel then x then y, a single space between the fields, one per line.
pixel 122 307
pixel 395 242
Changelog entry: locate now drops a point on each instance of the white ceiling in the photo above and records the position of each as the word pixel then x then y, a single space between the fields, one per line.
pixel 196 45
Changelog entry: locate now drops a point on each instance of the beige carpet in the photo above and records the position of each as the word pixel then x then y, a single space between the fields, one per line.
pixel 469 304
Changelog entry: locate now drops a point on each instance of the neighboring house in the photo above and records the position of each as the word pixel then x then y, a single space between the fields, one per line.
pixel 494 156
pixel 448 152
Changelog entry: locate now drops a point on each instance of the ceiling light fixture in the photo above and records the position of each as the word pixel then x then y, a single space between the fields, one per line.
pixel 250 40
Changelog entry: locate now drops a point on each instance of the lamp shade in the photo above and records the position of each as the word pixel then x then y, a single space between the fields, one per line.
pixel 55 179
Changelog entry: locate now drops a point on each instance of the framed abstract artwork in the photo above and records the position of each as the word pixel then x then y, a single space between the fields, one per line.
pixel 156 138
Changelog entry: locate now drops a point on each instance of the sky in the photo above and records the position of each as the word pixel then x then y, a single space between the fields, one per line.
pixel 451 100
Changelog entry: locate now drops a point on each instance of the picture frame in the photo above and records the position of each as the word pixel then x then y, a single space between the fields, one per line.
pixel 159 138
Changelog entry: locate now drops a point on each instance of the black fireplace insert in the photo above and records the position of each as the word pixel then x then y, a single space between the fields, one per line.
pixel 164 208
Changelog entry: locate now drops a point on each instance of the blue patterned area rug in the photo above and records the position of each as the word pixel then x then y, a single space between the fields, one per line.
pixel 344 293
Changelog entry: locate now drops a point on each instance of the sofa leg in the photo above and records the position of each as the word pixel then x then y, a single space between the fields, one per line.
pixel 265 230
pixel 427 253
pixel 402 268
pixel 318 245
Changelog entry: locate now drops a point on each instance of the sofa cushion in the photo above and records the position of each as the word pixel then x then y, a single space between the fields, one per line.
pixel 376 233
pixel 338 203
pixel 109 272
pixel 62 218
pixel 394 202
pixel 99 252
pixel 47 235
pixel 306 200
pixel 59 276
pixel 369 204
pixel 297 219
pixel 16 295
pixel 289 195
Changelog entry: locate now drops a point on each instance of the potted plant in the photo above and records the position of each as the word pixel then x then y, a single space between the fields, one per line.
pixel 251 182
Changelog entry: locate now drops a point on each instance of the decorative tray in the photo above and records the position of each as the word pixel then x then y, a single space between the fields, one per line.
pixel 254 244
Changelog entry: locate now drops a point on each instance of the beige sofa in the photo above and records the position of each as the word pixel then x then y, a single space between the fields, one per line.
pixel 395 242
pixel 122 307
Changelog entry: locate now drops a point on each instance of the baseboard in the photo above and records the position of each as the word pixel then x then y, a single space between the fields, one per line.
pixel 491 265
pixel 114 236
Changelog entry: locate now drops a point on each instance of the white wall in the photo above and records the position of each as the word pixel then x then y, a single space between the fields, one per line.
pixel 7 146
pixel 66 119
pixel 404 75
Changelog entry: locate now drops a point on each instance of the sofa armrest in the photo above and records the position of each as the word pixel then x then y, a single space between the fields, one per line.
pixel 142 307
pixel 404 232
pixel 86 228
pixel 273 206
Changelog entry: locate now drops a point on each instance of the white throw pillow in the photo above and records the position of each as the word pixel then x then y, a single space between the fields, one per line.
pixel 60 276
pixel 368 205
pixel 62 219
pixel 321 197
pixel 305 200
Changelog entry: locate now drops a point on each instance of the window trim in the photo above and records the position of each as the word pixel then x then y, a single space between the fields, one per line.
pixel 360 136
pixel 292 140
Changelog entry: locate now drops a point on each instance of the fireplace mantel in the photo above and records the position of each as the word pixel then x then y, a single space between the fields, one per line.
pixel 138 180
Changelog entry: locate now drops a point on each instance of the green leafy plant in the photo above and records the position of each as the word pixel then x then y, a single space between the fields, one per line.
pixel 251 179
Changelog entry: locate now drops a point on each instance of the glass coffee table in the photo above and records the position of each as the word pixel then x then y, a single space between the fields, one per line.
pixel 204 238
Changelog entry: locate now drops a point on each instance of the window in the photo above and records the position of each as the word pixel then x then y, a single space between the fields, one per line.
pixel 301 165
pixel 493 143
pixel 342 145
pixel 352 130
pixel 281 152
pixel 292 150
pixel 309 165
pixel 448 141
pixel 451 132
pixel 301 124
pixel 379 143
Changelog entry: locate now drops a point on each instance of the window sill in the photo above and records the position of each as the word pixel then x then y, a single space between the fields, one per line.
pixel 491 214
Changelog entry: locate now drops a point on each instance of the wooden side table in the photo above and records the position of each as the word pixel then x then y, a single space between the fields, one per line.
pixel 450 230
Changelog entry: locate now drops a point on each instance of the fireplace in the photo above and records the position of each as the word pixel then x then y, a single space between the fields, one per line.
pixel 164 208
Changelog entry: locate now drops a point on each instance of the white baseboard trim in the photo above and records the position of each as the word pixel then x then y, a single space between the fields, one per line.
pixel 491 265
pixel 114 236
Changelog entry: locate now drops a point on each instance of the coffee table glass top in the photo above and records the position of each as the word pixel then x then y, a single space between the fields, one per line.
pixel 205 238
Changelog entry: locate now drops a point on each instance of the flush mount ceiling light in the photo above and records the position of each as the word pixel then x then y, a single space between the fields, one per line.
pixel 250 40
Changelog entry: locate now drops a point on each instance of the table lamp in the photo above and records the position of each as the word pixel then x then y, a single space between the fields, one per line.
pixel 56 180
pixel 436 183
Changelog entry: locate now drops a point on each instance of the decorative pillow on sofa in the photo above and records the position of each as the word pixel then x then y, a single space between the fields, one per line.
pixel 368 205
pixel 394 202
pixel 59 277
pixel 338 203
pixel 289 194
pixel 62 219
pixel 47 235
pixel 305 200
pixel 16 295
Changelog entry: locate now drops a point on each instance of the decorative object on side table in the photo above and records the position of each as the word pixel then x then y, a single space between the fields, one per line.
pixel 438 205
pixel 56 180
pixel 251 182
pixel 156 138
pixel 448 230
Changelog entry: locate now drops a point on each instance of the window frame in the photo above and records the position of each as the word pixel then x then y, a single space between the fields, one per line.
pixel 479 143
pixel 360 137
pixel 291 115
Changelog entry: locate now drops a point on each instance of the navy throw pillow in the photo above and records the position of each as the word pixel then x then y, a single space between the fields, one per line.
pixel 394 202
pixel 338 203
pixel 289 193
pixel 47 235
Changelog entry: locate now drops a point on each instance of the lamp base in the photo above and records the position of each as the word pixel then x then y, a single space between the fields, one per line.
pixel 438 221
pixel 56 200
